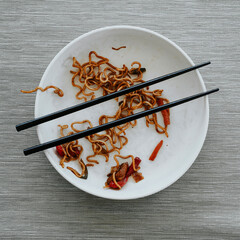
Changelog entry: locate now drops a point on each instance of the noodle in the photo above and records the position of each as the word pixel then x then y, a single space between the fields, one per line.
pixel 115 181
pixel 92 161
pixel 62 128
pixel 89 165
pixel 62 161
pixel 57 90
pixel 76 172
pixel 116 49
pixel 123 157
pixel 134 165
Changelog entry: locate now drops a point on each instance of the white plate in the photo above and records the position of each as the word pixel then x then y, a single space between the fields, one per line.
pixel 189 122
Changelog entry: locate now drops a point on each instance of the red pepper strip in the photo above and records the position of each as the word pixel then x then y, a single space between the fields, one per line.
pixel 156 150
pixel 130 169
pixel 60 150
pixel 165 112
pixel 75 153
pixel 121 183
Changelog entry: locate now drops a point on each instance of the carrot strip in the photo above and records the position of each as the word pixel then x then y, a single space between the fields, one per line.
pixel 156 150
pixel 165 113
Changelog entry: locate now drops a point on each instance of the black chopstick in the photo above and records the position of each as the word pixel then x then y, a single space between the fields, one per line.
pixel 96 101
pixel 115 123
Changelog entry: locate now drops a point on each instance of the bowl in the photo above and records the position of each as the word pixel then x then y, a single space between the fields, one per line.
pixel 189 122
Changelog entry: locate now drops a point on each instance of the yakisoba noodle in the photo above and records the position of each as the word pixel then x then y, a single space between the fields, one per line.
pixel 57 90
pixel 89 77
pixel 116 49
pixel 115 181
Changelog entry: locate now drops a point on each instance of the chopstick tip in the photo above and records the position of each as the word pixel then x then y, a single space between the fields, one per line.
pixel 17 128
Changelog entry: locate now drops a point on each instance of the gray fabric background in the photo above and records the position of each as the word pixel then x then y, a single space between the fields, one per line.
pixel 37 203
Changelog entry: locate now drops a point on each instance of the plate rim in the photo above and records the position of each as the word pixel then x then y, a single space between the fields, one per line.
pixel 114 27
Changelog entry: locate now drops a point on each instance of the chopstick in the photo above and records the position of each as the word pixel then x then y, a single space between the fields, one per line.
pixel 66 111
pixel 115 123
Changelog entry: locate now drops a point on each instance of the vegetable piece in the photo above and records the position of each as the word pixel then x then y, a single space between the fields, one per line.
pixel 121 183
pixel 60 151
pixel 75 153
pixel 123 170
pixel 121 173
pixel 165 112
pixel 137 176
pixel 156 150
pixel 130 169
pixel 136 70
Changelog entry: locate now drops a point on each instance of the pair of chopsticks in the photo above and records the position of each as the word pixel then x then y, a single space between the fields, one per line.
pixel 115 123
